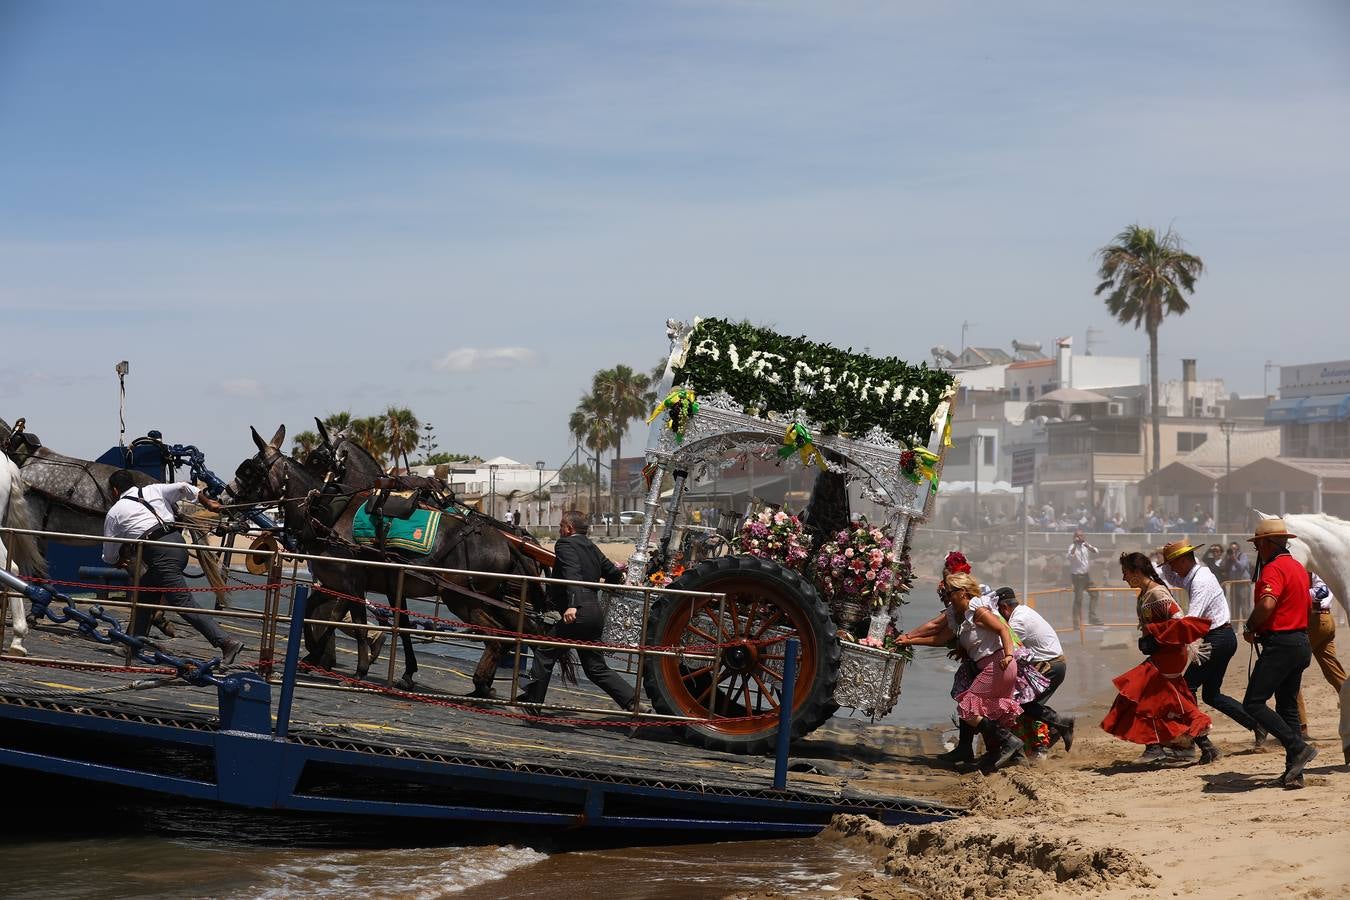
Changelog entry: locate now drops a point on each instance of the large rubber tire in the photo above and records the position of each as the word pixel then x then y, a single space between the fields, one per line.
pixel 764 600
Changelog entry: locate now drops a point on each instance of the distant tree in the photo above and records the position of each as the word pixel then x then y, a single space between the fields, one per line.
pixel 436 459
pixel 577 473
pixel 624 395
pixel 1144 277
pixel 591 424
pixel 428 444
pixel 402 431
pixel 369 433
pixel 337 421
pixel 303 444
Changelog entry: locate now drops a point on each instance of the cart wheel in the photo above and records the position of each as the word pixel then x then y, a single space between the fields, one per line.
pixel 765 605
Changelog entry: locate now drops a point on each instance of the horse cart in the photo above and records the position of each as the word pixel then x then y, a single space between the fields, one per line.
pixel 733 389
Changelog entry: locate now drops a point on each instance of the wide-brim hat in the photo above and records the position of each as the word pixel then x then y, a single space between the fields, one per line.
pixel 1176 548
pixel 1271 528
pixel 259 565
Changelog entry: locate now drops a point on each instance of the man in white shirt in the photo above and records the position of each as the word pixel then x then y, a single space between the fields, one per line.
pixel 1080 555
pixel 1207 601
pixel 1047 655
pixel 147 514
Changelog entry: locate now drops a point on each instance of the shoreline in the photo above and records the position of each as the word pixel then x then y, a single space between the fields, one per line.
pixel 1095 823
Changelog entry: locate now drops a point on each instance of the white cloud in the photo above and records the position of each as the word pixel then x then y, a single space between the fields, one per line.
pixel 240 387
pixel 473 359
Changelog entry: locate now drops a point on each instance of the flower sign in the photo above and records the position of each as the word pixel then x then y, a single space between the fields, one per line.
pixel 843 393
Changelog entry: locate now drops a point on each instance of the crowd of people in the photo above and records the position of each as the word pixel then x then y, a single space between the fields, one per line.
pixel 1011 661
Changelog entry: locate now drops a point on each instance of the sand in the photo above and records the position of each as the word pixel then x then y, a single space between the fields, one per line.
pixel 1093 823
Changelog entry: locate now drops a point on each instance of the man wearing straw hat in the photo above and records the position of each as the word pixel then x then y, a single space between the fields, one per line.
pixel 1208 602
pixel 1278 625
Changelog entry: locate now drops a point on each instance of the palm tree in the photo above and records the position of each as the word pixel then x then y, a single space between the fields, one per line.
pixel 337 421
pixel 402 432
pixel 1144 277
pixel 626 396
pixel 303 444
pixel 369 433
pixel 590 424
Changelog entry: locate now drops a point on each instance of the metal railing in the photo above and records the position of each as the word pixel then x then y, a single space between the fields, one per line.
pixel 282 613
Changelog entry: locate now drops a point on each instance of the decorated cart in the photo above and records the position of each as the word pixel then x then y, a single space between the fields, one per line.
pixel 733 389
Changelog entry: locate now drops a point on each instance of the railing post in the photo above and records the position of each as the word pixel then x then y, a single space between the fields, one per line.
pixel 785 713
pixel 299 600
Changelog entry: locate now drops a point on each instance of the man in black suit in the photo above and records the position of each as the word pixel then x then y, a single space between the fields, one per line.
pixel 583 618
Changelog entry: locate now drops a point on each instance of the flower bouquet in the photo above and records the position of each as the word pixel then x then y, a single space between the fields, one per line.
pixel 857 572
pixel 775 535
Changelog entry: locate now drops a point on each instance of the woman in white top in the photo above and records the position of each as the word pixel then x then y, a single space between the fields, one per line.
pixel 988 704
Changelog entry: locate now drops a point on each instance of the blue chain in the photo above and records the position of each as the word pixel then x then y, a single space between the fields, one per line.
pixel 193 671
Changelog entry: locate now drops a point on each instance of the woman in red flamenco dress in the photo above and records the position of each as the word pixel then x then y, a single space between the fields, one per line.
pixel 1154 706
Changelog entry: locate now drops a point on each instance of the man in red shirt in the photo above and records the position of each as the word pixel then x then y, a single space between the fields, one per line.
pixel 1279 624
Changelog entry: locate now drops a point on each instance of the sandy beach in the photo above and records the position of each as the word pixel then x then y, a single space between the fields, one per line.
pixel 1094 823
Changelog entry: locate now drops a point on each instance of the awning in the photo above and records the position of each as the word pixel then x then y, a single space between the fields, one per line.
pixel 1282 411
pixel 1309 410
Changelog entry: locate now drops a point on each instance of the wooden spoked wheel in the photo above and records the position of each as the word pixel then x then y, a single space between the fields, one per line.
pixel 740 685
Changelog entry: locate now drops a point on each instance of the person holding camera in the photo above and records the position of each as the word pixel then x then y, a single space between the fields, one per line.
pixel 1080 555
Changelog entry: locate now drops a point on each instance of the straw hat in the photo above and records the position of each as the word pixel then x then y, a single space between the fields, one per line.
pixel 258 565
pixel 1176 548
pixel 1271 528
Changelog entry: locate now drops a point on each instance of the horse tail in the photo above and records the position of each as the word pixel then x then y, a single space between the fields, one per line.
pixel 23 548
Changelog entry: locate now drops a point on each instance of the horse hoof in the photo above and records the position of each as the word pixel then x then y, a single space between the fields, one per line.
pixel 405 683
pixel 17 649
pixel 483 693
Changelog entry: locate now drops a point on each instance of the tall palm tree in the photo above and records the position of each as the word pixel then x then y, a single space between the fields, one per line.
pixel 303 444
pixel 402 432
pixel 1144 277
pixel 337 421
pixel 626 396
pixel 369 433
pixel 591 425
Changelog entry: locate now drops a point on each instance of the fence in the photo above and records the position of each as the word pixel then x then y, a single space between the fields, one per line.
pixel 278 612
pixel 1116 607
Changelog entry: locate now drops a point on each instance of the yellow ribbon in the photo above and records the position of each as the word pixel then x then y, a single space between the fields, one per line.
pixel 681 404
pixel 924 461
pixel 798 439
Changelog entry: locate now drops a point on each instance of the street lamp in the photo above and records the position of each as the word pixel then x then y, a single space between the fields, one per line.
pixel 539 495
pixel 492 490
pixel 1227 426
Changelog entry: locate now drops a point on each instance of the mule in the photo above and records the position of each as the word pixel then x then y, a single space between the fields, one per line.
pixel 462 543
pixel 15 513
pixel 1323 546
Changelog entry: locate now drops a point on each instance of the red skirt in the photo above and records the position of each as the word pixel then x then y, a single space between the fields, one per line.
pixel 990 696
pixel 1152 708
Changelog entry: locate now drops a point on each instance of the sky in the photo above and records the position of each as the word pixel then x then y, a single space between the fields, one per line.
pixel 282 210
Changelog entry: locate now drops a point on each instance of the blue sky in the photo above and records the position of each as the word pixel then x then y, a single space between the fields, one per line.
pixel 281 210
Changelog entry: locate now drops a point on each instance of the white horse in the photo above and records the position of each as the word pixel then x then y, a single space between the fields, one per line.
pixel 1323 546
pixel 23 547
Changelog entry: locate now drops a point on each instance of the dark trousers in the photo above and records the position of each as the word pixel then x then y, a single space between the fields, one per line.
pixel 1206 680
pixel 164 567
pixel 588 627
pixel 1080 587
pixel 1055 670
pixel 1278 673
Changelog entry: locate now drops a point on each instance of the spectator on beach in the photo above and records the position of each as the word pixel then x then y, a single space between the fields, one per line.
pixel 583 618
pixel 1046 654
pixel 1322 637
pixel 1208 602
pixel 1207 526
pixel 1279 623
pixel 1213 559
pixel 1080 555
pixel 1149 709
pixel 1236 568
pixel 988 705
pixel 1152 524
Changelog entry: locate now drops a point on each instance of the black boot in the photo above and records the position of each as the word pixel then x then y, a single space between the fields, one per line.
pixel 964 751
pixel 1002 745
pixel 1061 727
pixel 1208 752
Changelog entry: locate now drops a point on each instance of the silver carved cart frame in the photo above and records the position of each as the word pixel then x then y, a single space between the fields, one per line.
pixel 869 678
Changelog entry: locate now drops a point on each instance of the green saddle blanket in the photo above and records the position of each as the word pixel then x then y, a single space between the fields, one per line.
pixel 415 534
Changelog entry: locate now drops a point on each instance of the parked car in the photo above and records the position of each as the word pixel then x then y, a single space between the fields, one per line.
pixel 632 517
